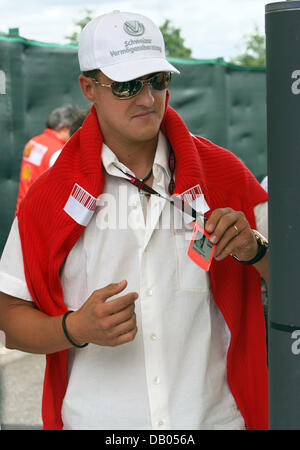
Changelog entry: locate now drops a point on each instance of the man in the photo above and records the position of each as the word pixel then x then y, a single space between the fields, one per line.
pixel 78 120
pixel 137 335
pixel 41 151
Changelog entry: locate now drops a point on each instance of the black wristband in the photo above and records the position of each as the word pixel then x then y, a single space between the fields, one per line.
pixel 261 253
pixel 66 332
pixel 262 249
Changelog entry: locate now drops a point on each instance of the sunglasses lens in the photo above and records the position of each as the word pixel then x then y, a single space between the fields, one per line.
pixel 126 89
pixel 161 81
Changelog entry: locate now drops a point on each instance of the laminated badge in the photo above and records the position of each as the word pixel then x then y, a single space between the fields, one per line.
pixel 201 250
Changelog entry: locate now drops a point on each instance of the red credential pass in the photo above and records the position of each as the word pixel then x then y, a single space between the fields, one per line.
pixel 201 250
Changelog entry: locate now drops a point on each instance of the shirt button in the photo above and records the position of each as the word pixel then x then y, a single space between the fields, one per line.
pixel 161 423
pixel 156 380
pixel 153 337
pixel 149 292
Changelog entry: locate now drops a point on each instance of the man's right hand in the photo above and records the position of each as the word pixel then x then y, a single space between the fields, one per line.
pixel 102 322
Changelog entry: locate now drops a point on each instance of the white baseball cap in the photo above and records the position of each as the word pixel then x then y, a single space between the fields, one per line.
pixel 124 46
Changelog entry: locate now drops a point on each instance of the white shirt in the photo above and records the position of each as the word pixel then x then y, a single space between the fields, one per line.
pixel 173 375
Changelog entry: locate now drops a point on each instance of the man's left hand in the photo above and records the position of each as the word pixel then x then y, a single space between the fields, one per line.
pixel 232 234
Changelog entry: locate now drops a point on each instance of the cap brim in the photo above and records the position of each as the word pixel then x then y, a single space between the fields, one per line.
pixel 130 70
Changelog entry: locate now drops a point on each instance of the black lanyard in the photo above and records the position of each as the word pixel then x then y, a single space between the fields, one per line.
pixel 176 201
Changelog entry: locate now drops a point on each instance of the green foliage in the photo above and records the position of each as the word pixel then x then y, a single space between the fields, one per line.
pixel 80 24
pixel 255 50
pixel 174 42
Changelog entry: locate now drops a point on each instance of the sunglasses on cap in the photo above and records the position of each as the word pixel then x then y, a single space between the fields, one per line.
pixel 128 89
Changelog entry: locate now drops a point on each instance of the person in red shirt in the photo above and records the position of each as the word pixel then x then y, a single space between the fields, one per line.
pixel 41 151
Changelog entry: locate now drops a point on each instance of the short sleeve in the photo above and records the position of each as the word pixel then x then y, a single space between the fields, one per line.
pixel 12 277
pixel 261 217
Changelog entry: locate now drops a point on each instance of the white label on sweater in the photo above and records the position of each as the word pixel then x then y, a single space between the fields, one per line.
pixel 80 205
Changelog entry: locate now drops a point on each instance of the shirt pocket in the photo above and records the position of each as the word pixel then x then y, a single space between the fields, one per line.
pixel 189 275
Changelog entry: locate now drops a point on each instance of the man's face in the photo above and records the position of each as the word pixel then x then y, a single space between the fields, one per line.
pixel 131 121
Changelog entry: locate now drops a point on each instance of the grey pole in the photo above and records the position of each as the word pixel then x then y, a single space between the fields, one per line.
pixel 283 125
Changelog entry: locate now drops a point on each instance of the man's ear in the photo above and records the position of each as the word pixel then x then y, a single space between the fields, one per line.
pixel 87 87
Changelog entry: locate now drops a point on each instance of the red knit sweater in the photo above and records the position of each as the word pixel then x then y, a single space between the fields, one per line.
pixel 224 180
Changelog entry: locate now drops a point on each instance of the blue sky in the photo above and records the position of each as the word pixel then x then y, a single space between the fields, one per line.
pixel 210 28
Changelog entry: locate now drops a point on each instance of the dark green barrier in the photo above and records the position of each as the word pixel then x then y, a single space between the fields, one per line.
pixel 220 102
pixel 226 104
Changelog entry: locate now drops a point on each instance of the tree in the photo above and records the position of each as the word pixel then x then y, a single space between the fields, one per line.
pixel 80 24
pixel 255 50
pixel 174 42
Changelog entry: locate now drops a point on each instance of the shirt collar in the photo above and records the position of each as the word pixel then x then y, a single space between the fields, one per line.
pixel 111 163
pixel 53 134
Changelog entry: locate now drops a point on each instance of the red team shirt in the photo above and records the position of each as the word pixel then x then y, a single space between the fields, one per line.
pixel 39 154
